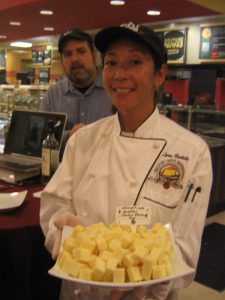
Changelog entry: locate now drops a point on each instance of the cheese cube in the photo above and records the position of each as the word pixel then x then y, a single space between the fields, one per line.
pixel 158 271
pixel 77 229
pixel 98 269
pixel 141 252
pixel 87 243
pixel 156 227
pixel 130 260
pixel 71 267
pixel 62 256
pixel 169 268
pixel 119 275
pixel 105 255
pixel 69 244
pixel 134 274
pixel 137 242
pixel 107 277
pixel 101 244
pixel 126 240
pixel 82 255
pixel 110 265
pixel 114 243
pixel 119 253
pixel 155 255
pixel 146 269
pixel 85 274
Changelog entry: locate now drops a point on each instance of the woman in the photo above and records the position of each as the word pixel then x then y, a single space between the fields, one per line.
pixel 136 157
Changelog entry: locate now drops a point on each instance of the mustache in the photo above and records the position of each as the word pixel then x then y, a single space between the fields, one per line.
pixel 77 65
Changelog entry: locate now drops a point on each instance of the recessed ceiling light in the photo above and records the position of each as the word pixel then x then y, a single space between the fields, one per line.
pixel 46 12
pixel 3 36
pixel 48 28
pixel 117 2
pixel 14 23
pixel 21 44
pixel 153 12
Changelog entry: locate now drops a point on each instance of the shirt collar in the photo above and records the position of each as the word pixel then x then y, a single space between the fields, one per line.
pixel 146 129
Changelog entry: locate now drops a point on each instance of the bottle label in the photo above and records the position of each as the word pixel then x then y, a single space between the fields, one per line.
pixel 54 159
pixel 46 159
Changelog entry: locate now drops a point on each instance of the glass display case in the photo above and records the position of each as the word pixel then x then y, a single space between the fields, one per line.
pixel 206 122
pixel 25 97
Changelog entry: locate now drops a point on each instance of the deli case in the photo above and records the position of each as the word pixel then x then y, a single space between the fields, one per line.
pixel 12 97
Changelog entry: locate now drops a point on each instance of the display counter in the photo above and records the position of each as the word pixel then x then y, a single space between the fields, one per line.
pixel 24 260
pixel 26 97
pixel 204 121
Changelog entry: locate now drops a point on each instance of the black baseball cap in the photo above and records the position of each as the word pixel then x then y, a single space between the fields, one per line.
pixel 135 32
pixel 74 34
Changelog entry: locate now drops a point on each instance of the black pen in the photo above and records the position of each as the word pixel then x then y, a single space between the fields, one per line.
pixel 197 190
pixel 188 192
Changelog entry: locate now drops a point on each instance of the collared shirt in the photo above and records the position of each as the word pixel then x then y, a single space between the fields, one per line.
pixel 79 107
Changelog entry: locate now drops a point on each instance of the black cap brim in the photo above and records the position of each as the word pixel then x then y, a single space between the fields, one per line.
pixel 145 36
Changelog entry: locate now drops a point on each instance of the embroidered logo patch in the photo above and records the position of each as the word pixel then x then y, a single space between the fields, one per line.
pixel 169 173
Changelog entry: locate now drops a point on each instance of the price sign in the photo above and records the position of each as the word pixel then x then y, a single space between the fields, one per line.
pixel 133 215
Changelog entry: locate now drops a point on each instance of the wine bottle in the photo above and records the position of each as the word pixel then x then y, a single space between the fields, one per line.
pixel 50 154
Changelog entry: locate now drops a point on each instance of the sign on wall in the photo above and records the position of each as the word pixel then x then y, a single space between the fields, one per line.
pixel 42 55
pixel 212 42
pixel 175 42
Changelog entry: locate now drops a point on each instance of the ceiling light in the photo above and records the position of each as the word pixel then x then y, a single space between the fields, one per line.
pixel 21 44
pixel 3 36
pixel 48 28
pixel 13 23
pixel 153 12
pixel 46 12
pixel 117 2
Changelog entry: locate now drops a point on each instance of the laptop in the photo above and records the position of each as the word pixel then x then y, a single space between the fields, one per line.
pixel 23 145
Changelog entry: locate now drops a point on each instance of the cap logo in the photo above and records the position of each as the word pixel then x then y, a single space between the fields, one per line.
pixel 67 32
pixel 131 26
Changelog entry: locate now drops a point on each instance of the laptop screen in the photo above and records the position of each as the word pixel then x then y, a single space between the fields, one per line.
pixel 28 129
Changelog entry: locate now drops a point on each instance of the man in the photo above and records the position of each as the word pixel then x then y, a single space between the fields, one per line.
pixel 80 93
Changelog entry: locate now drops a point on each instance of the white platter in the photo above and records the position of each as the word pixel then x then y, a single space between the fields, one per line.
pixel 10 201
pixel 180 269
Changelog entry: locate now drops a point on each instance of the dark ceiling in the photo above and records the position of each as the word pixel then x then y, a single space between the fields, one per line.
pixel 92 14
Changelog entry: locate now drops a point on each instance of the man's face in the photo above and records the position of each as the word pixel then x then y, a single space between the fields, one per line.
pixel 79 63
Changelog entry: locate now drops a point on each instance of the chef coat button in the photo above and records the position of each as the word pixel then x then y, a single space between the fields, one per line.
pixel 155 146
pixel 133 184
pixel 84 214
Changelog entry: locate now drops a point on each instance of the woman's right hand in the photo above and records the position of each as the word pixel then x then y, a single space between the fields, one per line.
pixel 67 219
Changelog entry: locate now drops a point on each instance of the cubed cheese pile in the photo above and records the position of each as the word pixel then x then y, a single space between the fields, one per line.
pixel 117 253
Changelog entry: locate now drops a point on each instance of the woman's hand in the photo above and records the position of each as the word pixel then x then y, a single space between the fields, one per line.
pixel 67 219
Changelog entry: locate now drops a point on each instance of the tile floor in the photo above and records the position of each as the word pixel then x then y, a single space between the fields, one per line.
pixel 198 291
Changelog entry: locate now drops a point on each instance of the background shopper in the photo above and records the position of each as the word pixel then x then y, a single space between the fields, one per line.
pixel 80 93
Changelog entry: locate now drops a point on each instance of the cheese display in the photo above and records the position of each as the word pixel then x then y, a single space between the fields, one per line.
pixel 117 253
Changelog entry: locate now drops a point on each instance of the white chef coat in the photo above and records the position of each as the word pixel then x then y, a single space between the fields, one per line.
pixel 103 169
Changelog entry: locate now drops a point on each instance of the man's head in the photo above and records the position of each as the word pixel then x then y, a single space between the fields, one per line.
pixel 74 34
pixel 134 32
pixel 78 57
